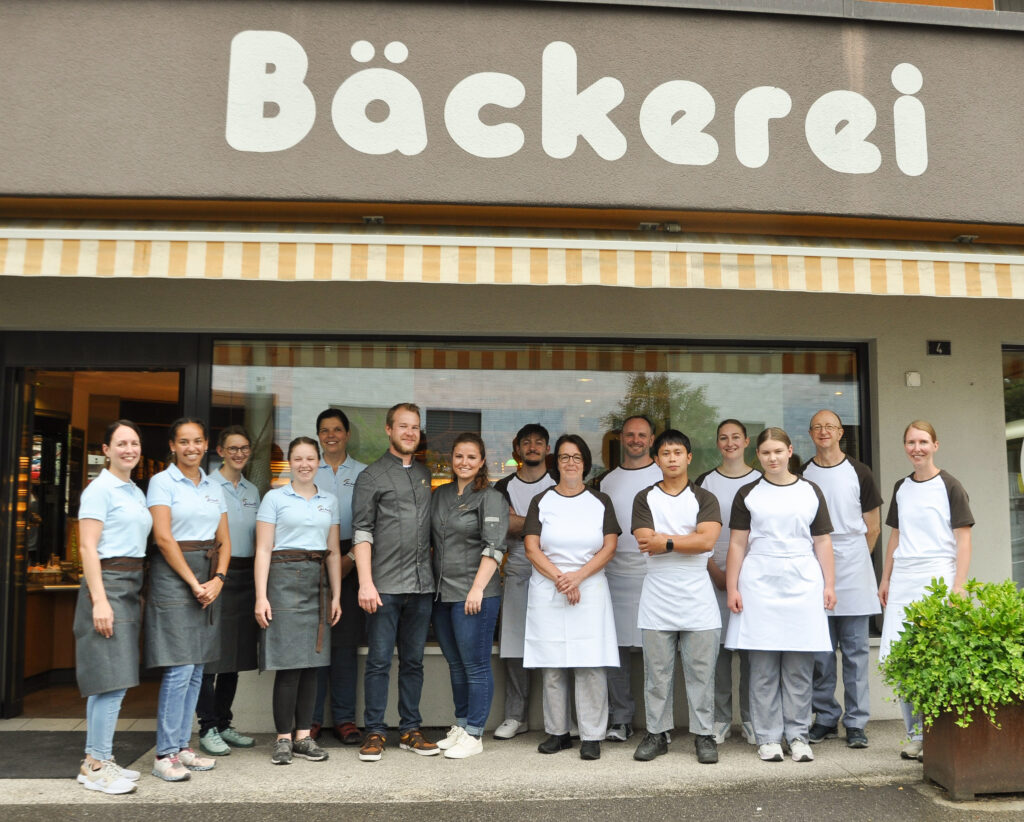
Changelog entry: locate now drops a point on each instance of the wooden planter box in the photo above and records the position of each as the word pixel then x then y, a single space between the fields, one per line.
pixel 978 759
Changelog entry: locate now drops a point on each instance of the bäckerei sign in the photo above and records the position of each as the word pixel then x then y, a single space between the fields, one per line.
pixel 525 104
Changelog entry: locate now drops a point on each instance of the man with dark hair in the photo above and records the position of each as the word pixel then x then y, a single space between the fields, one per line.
pixel 391 532
pixel 531 446
pixel 854 505
pixel 626 571
pixel 337 474
pixel 676 524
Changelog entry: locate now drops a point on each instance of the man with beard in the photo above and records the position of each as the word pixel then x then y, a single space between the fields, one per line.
pixel 532 477
pixel 627 569
pixel 391 536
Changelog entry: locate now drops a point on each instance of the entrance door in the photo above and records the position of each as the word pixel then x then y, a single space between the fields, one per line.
pixel 66 415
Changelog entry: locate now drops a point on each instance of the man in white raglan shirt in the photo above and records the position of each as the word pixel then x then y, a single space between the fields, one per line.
pixel 532 448
pixel 854 503
pixel 626 571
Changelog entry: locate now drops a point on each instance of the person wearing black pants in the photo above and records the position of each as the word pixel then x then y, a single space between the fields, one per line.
pixel 296 548
pixel 238 600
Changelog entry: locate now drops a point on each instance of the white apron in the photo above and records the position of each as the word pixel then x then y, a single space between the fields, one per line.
pixel 856 589
pixel 723 610
pixel 907 585
pixel 625 591
pixel 783 605
pixel 560 635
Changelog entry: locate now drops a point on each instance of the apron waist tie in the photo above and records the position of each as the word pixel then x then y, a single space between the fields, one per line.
pixel 122 563
pixel 295 555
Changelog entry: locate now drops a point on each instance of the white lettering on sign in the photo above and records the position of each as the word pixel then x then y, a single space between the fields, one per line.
pixel 380 111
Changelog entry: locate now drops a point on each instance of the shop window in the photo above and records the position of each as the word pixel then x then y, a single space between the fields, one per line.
pixel 276 389
pixel 1013 402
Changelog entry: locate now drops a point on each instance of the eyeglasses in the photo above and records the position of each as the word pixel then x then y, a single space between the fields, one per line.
pixel 817 429
pixel 238 450
pixel 567 458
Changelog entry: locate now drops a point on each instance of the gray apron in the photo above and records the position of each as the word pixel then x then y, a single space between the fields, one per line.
pixel 350 632
pixel 178 630
pixel 296 635
pixel 238 627
pixel 102 664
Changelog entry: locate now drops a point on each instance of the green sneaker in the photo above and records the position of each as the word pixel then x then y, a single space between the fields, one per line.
pixel 235 739
pixel 212 743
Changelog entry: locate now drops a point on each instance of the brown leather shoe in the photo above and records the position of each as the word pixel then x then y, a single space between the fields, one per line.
pixel 415 741
pixel 348 734
pixel 314 730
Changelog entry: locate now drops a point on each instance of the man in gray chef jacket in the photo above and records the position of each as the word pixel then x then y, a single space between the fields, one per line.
pixel 391 544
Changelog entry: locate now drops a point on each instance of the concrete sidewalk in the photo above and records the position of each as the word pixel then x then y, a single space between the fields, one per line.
pixel 509 770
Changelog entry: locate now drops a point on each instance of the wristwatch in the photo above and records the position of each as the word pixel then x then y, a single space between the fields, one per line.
pixel 669 545
pixel 221 577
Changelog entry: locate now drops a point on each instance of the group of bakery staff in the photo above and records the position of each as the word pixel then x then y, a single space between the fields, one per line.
pixel 775 567
pixel 779 583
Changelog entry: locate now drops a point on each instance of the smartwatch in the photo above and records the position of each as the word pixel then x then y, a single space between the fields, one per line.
pixel 669 545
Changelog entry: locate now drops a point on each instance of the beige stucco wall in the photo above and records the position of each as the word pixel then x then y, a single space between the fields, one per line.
pixel 960 394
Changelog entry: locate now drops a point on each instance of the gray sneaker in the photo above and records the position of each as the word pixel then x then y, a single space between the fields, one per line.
pixel 308 749
pixel 282 754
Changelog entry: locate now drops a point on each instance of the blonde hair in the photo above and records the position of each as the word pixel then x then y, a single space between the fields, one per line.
pixel 921 425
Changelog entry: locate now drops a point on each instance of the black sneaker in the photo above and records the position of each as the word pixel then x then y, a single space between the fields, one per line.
pixel 308 749
pixel 590 749
pixel 856 738
pixel 819 733
pixel 707 750
pixel 651 746
pixel 555 743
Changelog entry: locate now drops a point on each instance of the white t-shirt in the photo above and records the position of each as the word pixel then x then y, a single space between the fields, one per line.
pixel 926 514
pixel 677 593
pixel 622 485
pixel 519 493
pixel 571 529
pixel 724 488
pixel 850 490
pixel 781 519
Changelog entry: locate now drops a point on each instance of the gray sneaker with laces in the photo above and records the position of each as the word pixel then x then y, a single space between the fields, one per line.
pixel 282 754
pixel 308 749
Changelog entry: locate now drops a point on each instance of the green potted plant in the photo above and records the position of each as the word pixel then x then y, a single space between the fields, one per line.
pixel 960 663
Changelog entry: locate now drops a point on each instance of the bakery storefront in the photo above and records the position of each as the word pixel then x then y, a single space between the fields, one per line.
pixel 251 212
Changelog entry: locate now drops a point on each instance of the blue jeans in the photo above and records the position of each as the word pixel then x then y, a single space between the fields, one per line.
pixel 179 692
pixel 467 641
pixel 403 619
pixel 342 677
pixel 101 711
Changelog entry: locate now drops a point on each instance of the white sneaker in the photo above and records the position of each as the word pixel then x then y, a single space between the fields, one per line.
pixel 723 730
pixel 127 773
pixel 913 749
pixel 466 747
pixel 770 752
pixel 510 728
pixel 453 736
pixel 801 751
pixel 748 733
pixel 106 779
pixel 194 762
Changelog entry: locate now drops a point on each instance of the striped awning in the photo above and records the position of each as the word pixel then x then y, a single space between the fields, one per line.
pixel 297 253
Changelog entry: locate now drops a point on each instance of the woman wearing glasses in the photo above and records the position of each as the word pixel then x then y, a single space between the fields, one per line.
pixel 570 535
pixel 237 601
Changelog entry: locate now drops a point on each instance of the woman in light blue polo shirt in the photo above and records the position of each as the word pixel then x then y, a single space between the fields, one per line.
pixel 296 541
pixel 113 524
pixel 237 601
pixel 190 526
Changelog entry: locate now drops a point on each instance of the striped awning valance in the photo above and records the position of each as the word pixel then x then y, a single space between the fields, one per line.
pixel 827 364
pixel 430 255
